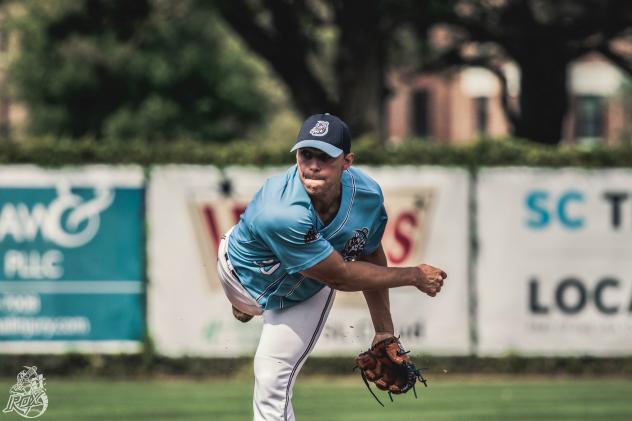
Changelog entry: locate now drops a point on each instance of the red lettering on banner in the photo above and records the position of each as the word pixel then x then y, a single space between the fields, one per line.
pixel 211 224
pixel 401 237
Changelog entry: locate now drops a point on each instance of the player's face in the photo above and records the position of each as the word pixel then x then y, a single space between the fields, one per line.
pixel 319 172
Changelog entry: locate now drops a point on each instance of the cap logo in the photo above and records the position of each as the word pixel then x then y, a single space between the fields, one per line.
pixel 320 129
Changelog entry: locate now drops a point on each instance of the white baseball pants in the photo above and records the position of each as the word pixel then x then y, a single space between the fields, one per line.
pixel 287 339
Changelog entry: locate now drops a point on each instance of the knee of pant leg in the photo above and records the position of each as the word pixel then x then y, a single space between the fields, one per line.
pixel 271 373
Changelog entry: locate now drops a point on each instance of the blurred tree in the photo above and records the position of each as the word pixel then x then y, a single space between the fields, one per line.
pixel 542 37
pixel 334 54
pixel 152 69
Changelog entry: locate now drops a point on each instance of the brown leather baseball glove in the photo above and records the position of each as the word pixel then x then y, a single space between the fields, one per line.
pixel 388 366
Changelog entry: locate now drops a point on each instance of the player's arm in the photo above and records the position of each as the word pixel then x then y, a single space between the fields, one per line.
pixel 378 301
pixel 335 272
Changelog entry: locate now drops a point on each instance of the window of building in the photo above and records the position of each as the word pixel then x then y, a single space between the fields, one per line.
pixel 421 113
pixel 481 110
pixel 589 118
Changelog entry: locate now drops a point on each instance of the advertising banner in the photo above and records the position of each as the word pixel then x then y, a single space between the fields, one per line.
pixel 190 207
pixel 554 268
pixel 428 223
pixel 71 259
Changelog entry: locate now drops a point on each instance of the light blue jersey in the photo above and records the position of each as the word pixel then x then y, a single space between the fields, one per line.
pixel 280 234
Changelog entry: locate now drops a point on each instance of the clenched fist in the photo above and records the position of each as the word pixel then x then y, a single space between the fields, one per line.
pixel 431 279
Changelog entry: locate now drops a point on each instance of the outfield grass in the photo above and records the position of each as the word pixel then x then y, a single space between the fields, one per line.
pixel 465 398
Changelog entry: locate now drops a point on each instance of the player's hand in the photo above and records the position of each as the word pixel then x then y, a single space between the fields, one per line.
pixel 431 279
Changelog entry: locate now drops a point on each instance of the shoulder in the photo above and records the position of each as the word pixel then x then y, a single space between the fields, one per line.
pixel 279 183
pixel 282 191
pixel 363 182
pixel 285 207
pixel 280 214
pixel 290 223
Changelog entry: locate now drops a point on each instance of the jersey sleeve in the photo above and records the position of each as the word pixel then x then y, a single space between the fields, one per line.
pixel 292 237
pixel 375 238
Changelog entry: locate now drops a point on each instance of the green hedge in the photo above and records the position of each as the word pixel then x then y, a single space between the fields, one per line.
pixel 56 152
pixel 146 366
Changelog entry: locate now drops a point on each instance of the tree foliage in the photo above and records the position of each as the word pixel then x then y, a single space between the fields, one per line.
pixel 121 69
pixel 332 55
pixel 335 55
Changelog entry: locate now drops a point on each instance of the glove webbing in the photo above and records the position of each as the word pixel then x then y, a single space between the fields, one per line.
pixel 414 373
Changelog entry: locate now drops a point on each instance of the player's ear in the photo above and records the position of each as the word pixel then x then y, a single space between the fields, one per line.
pixel 348 160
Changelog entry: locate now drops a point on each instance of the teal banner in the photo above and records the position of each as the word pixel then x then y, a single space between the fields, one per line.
pixel 72 260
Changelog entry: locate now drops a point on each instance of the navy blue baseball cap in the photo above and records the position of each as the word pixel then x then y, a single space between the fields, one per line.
pixel 325 132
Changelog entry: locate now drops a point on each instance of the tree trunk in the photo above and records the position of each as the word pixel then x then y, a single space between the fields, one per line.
pixel 543 95
pixel 360 67
pixel 362 94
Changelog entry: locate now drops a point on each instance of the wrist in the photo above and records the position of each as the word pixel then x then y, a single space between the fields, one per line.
pixel 416 276
pixel 384 326
pixel 385 329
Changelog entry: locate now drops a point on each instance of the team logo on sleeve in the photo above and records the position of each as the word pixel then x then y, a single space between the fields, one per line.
pixel 355 245
pixel 311 235
pixel 320 129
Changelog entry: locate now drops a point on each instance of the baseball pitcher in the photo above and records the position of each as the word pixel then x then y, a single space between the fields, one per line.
pixel 307 233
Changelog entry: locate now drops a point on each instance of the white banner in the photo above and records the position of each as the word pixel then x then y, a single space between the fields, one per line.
pixel 189 209
pixel 427 209
pixel 187 213
pixel 554 269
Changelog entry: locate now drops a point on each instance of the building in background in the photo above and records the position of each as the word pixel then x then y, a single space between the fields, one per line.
pixel 464 105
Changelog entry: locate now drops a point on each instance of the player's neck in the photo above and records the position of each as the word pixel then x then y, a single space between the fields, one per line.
pixel 327 204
